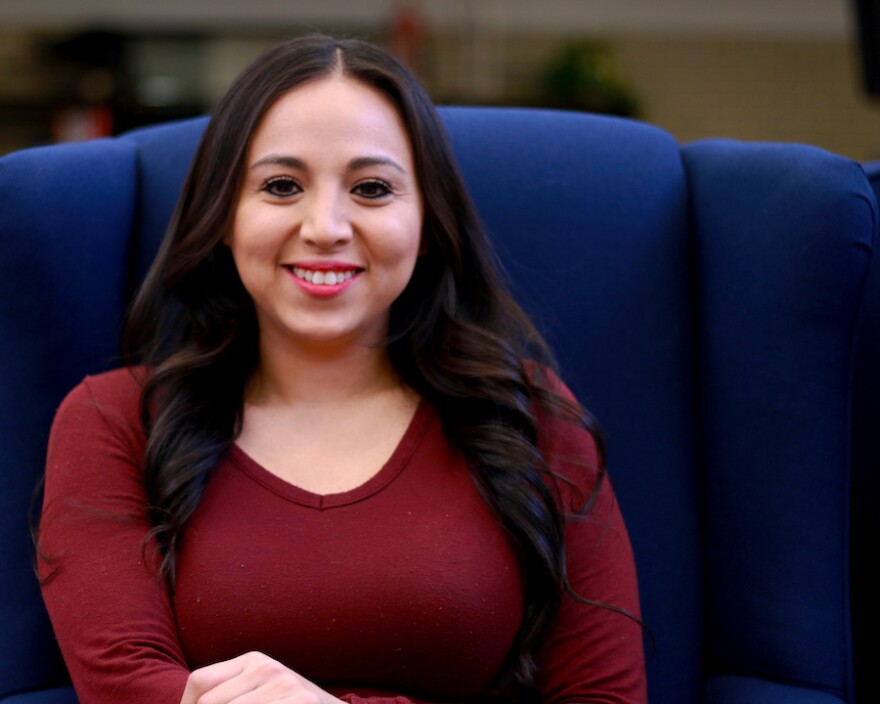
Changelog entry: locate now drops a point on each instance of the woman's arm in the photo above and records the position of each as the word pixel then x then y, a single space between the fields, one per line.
pixel 593 653
pixel 111 611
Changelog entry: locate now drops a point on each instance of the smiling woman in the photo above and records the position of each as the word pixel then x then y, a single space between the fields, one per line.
pixel 343 467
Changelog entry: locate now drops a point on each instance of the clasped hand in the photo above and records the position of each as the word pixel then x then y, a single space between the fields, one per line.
pixel 252 678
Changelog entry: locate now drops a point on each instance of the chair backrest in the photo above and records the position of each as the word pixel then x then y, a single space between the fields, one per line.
pixel 704 303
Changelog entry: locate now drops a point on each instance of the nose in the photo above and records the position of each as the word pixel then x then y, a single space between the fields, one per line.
pixel 326 220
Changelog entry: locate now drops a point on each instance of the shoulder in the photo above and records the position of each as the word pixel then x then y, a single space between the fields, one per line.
pixel 567 440
pixel 111 399
pixel 96 445
pixel 116 388
pixel 563 425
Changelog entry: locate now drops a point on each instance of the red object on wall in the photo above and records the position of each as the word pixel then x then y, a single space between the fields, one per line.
pixel 82 122
pixel 408 33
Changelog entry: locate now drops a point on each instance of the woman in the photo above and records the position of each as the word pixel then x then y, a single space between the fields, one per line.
pixel 344 469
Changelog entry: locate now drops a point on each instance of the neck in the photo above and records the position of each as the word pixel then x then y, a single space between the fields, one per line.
pixel 320 374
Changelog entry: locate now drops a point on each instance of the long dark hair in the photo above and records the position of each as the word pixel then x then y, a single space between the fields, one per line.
pixel 456 336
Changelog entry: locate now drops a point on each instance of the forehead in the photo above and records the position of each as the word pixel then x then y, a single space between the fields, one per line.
pixel 335 113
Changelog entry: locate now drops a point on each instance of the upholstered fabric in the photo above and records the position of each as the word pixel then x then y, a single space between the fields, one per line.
pixel 58 695
pixel 65 219
pixel 866 484
pixel 778 312
pixel 704 302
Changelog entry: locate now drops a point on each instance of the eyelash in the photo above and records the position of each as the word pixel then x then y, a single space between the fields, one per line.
pixel 293 188
pixel 269 186
pixel 372 183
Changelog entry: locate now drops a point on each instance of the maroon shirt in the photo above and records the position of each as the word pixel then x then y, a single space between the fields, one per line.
pixel 406 586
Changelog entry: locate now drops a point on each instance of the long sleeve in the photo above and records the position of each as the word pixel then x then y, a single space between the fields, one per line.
pixel 593 653
pixel 110 610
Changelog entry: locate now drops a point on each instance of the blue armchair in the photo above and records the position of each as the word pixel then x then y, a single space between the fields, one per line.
pixel 705 302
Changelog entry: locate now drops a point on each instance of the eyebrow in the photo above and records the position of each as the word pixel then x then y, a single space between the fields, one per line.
pixel 356 164
pixel 364 162
pixel 276 159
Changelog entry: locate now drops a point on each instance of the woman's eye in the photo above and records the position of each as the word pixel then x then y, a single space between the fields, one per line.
pixel 281 186
pixel 372 189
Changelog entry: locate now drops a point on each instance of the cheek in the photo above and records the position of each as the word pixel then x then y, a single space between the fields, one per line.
pixel 394 240
pixel 411 242
pixel 254 237
pixel 239 218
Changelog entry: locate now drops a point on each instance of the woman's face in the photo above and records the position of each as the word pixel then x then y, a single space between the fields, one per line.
pixel 328 224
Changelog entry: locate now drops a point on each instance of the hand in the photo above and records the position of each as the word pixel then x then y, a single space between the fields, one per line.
pixel 252 678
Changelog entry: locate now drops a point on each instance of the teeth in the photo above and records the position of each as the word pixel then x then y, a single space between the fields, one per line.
pixel 323 278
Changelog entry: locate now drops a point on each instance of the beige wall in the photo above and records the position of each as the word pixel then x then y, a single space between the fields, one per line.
pixel 824 18
pixel 767 89
pixel 773 90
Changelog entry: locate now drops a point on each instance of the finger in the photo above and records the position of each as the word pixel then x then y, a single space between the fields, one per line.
pixel 239 689
pixel 270 695
pixel 209 677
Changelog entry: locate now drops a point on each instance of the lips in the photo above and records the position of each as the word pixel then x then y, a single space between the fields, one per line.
pixel 323 279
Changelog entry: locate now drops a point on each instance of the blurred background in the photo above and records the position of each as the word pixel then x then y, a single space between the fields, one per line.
pixel 777 70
